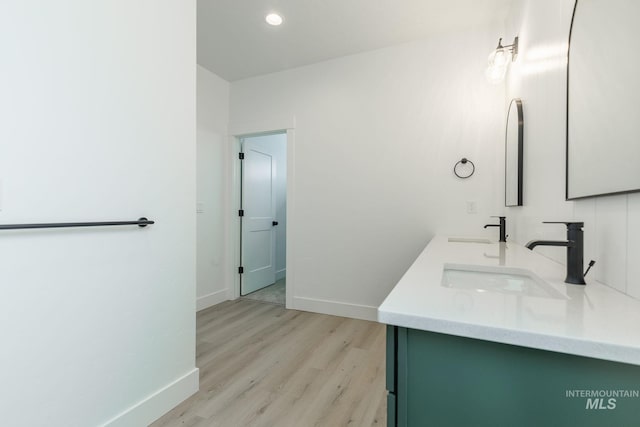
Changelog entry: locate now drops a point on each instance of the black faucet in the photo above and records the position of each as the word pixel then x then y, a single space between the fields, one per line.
pixel 575 250
pixel 502 225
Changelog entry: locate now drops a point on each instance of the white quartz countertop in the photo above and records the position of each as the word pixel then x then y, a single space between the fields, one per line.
pixel 593 320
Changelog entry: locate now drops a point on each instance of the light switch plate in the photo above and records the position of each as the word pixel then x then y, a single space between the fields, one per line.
pixel 199 207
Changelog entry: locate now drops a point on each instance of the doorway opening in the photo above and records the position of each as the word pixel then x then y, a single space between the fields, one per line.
pixel 263 217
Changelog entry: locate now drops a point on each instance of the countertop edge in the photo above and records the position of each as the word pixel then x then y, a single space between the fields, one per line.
pixel 577 347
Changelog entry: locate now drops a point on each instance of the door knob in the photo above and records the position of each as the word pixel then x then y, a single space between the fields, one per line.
pixel 274 223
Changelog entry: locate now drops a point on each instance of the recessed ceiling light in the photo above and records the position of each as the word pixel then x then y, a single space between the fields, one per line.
pixel 273 19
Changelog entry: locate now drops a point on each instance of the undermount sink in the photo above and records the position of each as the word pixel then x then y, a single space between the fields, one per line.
pixel 512 281
pixel 468 240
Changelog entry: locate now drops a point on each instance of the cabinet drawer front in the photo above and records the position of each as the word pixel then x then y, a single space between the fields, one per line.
pixel 454 381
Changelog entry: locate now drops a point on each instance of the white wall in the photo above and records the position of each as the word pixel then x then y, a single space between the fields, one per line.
pixel 213 119
pixel 281 207
pixel 277 144
pixel 376 138
pixel 97 122
pixel 612 224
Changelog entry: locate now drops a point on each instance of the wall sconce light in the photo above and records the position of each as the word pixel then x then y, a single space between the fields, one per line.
pixel 499 61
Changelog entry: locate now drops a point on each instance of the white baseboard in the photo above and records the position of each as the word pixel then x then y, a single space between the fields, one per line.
pixel 159 403
pixel 355 311
pixel 281 274
pixel 211 299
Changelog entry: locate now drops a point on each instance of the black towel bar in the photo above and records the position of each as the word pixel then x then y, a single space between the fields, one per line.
pixel 141 222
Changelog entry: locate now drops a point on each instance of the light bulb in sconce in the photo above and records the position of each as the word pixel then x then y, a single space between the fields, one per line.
pixel 499 61
pixel 498 58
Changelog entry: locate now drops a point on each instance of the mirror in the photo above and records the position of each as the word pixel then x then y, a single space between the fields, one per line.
pixel 603 112
pixel 514 141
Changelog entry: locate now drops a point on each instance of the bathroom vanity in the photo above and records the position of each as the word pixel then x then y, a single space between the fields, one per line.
pixel 488 334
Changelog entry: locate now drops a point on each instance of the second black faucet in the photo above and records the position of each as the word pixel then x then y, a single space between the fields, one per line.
pixel 502 225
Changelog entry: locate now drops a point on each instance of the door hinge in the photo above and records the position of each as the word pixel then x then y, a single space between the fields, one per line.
pixel 240 270
pixel 241 212
pixel 241 156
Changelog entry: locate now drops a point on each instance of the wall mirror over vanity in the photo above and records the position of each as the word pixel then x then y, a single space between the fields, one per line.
pixel 514 146
pixel 603 109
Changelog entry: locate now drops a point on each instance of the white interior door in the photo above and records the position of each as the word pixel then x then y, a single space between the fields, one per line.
pixel 258 203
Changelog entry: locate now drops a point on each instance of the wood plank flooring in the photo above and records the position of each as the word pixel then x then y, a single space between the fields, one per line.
pixel 264 366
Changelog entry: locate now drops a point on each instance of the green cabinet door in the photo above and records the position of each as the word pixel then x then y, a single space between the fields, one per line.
pixel 392 374
pixel 443 380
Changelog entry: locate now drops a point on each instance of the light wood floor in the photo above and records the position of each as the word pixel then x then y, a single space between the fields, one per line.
pixel 263 365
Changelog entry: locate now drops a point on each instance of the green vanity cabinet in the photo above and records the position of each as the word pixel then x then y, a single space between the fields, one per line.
pixel 443 380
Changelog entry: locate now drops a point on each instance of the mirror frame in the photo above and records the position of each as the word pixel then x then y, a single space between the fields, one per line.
pixel 520 119
pixel 567 197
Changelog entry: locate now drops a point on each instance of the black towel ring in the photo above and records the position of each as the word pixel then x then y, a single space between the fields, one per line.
pixel 460 171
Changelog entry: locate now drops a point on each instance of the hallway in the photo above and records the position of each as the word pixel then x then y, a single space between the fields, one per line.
pixel 275 294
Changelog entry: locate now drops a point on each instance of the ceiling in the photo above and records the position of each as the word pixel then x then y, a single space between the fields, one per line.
pixel 235 42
